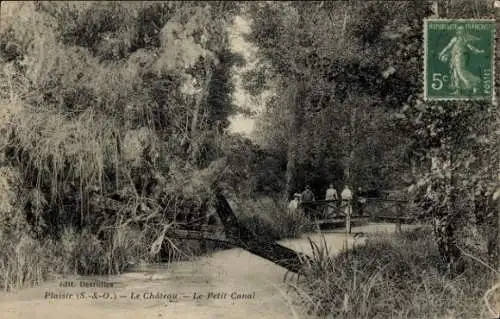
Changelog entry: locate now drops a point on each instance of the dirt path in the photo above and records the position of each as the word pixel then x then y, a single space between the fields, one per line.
pixel 232 283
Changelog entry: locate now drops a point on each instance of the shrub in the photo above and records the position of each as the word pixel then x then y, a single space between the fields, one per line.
pixel 24 261
pixel 398 276
pixel 269 219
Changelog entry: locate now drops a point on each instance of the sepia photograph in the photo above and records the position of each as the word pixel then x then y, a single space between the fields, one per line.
pixel 250 159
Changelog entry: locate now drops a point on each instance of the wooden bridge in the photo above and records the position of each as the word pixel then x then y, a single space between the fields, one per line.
pixel 328 212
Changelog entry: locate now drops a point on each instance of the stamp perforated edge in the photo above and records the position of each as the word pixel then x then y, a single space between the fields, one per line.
pixel 493 59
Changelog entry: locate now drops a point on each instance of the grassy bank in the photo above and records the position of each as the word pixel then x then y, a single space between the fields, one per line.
pixel 26 261
pixel 393 276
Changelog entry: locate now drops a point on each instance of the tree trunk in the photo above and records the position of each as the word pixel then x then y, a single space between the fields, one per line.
pixel 295 103
pixel 352 143
pixel 444 231
pixel 197 110
pixel 399 213
pixel 494 244
pixel 445 218
pixel 242 237
pixel 290 167
pixel 348 217
pixel 349 140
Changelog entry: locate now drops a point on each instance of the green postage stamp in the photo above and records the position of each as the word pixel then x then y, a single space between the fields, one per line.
pixel 459 58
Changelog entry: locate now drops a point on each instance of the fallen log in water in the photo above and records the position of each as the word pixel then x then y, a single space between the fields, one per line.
pixel 243 238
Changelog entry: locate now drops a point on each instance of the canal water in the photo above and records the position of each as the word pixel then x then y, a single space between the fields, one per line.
pixel 226 284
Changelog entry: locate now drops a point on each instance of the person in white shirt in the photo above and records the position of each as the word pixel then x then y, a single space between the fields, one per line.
pixel 346 194
pixel 331 194
pixel 293 206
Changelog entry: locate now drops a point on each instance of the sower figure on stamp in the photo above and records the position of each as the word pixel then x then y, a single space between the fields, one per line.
pixel 456 52
pixel 346 196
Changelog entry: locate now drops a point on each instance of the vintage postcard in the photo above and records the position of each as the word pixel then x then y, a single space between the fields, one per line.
pixel 249 159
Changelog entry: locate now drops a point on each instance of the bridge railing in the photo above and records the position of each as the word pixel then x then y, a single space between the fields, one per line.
pixel 359 206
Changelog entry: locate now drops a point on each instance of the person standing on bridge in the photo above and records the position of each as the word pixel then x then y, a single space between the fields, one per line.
pixel 346 196
pixel 331 194
pixel 360 202
pixel 293 206
pixel 307 196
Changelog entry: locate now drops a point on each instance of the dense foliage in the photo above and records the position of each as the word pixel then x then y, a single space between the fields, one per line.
pixel 339 73
pixel 347 83
pixel 112 114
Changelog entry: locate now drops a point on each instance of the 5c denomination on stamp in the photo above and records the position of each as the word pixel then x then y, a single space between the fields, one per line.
pixel 459 58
